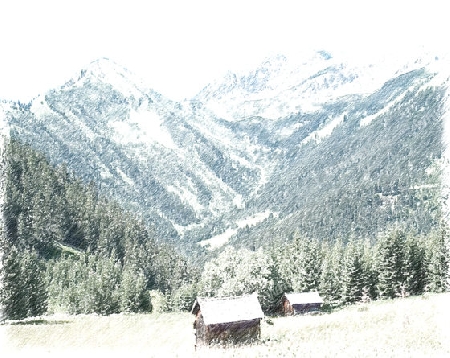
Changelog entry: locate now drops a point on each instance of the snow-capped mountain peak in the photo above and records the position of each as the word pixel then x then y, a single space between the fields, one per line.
pixel 107 71
pixel 283 85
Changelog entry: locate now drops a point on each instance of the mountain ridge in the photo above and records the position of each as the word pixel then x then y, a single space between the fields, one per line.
pixel 299 78
pixel 198 168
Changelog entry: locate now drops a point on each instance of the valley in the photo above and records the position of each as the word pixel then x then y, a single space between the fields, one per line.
pixel 306 173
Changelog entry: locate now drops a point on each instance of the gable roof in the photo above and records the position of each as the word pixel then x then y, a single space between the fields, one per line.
pixel 228 309
pixel 303 298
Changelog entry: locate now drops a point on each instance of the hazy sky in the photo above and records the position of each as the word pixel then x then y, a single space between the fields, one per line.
pixel 177 46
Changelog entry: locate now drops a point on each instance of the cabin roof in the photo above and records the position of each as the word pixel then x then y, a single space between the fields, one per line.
pixel 228 309
pixel 303 298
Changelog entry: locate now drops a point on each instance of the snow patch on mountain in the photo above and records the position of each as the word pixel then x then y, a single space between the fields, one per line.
pixel 124 177
pixel 40 107
pixel 186 193
pixel 289 130
pixel 142 127
pixel 324 131
pixel 218 240
pixel 105 172
pixel 367 120
pixel 254 219
pixel 221 239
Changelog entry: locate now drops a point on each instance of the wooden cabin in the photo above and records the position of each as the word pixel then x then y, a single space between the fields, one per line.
pixel 227 320
pixel 300 303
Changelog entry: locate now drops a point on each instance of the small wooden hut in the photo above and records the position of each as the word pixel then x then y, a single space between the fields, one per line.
pixel 227 320
pixel 300 303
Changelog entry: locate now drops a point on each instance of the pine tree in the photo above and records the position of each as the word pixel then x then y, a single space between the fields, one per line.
pixel 12 296
pixel 33 272
pixel 415 265
pixel 352 272
pixel 306 262
pixel 24 291
pixel 437 262
pixel 134 296
pixel 370 273
pixel 390 265
pixel 331 278
pixel 279 281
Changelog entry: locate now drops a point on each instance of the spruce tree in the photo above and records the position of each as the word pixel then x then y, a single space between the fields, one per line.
pixel 134 296
pixel 415 265
pixel 12 295
pixel 24 290
pixel 331 278
pixel 437 262
pixel 390 265
pixel 305 261
pixel 352 272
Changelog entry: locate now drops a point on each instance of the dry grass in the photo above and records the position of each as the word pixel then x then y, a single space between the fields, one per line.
pixel 412 327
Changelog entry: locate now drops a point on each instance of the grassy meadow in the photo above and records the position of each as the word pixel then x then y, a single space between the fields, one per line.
pixel 410 327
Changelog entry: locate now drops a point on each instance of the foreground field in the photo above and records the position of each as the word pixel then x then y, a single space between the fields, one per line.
pixel 412 327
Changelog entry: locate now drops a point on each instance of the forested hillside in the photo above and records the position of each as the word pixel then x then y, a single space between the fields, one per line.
pixel 154 156
pixel 365 177
pixel 67 248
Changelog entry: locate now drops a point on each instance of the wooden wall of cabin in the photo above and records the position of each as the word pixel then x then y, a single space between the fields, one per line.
pixel 305 308
pixel 229 333
pixel 201 331
pixel 287 308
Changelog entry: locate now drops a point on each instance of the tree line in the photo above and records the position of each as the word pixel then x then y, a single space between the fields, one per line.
pixel 397 264
pixel 68 249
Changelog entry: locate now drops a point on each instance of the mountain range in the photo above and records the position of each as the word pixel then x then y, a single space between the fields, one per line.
pixel 302 145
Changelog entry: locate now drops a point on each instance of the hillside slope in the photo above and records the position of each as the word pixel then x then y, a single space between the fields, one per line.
pixel 306 144
pixel 139 147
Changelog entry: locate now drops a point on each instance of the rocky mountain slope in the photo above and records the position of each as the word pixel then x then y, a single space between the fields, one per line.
pixel 362 151
pixel 172 163
pixel 308 144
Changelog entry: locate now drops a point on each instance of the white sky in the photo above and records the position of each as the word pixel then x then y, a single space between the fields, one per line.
pixel 178 46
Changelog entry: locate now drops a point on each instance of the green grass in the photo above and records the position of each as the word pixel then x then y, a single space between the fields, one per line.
pixel 412 327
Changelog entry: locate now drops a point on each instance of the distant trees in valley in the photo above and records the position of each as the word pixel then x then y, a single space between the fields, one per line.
pixel 396 265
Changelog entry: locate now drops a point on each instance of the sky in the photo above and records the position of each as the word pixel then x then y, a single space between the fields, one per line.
pixel 178 46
